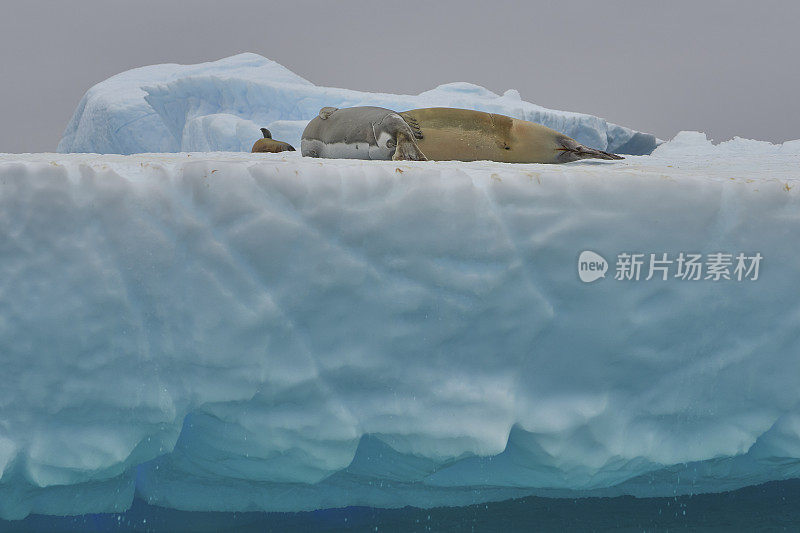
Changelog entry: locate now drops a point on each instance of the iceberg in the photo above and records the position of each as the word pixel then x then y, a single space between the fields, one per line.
pixel 229 331
pixel 220 106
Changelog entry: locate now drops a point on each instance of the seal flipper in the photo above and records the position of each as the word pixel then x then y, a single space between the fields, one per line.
pixel 572 150
pixel 407 149
pixel 326 112
pixel 413 124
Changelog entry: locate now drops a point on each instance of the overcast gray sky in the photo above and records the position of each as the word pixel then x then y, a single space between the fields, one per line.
pixel 724 67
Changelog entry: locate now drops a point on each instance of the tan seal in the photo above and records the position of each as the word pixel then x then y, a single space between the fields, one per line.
pixel 447 134
pixel 268 144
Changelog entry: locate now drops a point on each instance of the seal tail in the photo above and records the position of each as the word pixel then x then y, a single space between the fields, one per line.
pixel 572 150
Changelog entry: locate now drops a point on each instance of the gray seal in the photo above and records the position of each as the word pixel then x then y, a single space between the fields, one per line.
pixel 360 133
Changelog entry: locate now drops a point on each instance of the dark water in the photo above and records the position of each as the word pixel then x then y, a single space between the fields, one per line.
pixel 773 506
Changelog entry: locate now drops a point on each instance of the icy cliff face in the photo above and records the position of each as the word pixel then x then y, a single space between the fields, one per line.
pixel 220 106
pixel 237 331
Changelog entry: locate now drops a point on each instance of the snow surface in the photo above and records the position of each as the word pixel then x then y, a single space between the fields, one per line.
pixel 227 331
pixel 222 104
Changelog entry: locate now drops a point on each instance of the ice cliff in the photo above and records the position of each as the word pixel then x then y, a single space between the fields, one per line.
pixel 235 331
pixel 220 106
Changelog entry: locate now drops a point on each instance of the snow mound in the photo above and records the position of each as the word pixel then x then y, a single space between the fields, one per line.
pixel 221 105
pixel 238 331
pixel 694 145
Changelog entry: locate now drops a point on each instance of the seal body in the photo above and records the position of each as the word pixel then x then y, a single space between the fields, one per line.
pixel 360 133
pixel 446 134
pixel 270 145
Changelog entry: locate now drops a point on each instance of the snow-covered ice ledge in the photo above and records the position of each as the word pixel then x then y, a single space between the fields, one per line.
pixel 228 331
